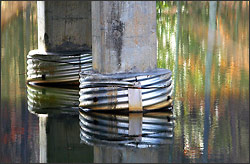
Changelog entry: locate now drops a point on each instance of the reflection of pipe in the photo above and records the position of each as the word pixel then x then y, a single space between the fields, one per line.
pixel 57 109
pixel 211 40
pixel 52 100
pixel 128 138
pixel 153 129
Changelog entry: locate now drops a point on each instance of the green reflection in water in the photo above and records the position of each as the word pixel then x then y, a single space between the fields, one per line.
pixel 207 123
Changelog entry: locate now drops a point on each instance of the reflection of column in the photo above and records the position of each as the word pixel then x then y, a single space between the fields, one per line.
pixel 211 40
pixel 43 137
pixel 115 136
pixel 104 154
pixel 59 140
pixel 57 109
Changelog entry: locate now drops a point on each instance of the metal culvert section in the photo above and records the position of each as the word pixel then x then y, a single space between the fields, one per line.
pixel 50 100
pixel 110 91
pixel 152 129
pixel 50 67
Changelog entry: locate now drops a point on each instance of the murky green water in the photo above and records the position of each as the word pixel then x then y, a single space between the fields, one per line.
pixel 208 52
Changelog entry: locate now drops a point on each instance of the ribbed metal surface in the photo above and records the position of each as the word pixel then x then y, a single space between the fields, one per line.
pixel 110 92
pixel 157 128
pixel 44 100
pixel 48 67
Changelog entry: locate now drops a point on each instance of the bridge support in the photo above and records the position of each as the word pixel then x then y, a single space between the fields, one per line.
pixel 124 36
pixel 64 25
pixel 124 52
pixel 64 42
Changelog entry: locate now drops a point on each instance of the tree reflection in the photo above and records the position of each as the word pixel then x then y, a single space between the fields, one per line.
pixel 212 70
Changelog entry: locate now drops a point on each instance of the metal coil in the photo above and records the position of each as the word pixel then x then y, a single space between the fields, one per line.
pixel 45 100
pixel 48 67
pixel 157 128
pixel 110 91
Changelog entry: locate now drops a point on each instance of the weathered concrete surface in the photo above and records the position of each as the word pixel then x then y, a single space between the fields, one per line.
pixel 124 36
pixel 64 25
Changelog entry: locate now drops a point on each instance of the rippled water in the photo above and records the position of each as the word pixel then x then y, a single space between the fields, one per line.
pixel 208 53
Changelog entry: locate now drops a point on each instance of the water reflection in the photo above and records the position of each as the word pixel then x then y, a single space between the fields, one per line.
pixel 208 51
pixel 185 33
pixel 52 100
pixel 57 110
pixel 133 137
pixel 210 47
pixel 19 129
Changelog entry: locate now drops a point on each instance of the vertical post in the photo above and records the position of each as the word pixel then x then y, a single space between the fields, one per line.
pixel 124 36
pixel 64 25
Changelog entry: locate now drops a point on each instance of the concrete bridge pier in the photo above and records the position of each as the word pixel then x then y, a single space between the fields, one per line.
pixel 64 36
pixel 124 49
pixel 64 26
pixel 124 36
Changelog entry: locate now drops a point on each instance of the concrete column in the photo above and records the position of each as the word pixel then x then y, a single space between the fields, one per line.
pixel 124 36
pixel 64 25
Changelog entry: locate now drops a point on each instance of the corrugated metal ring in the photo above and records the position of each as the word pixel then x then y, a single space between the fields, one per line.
pixel 51 67
pixel 113 130
pixel 110 91
pixel 50 100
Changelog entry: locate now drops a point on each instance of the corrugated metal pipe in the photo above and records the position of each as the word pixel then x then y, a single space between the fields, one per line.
pixel 111 91
pixel 52 67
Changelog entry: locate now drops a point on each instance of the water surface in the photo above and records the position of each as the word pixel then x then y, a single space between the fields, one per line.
pixel 207 49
